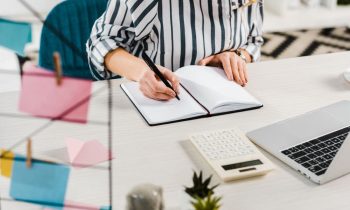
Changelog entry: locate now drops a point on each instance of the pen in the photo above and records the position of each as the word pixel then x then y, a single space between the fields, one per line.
pixel 154 68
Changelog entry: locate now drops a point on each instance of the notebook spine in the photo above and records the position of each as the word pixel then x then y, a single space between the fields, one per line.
pixel 208 112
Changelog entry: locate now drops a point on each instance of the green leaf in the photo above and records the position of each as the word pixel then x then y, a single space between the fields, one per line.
pixel 208 203
pixel 200 188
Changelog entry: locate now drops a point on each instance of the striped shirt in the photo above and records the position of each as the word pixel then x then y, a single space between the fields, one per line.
pixel 175 33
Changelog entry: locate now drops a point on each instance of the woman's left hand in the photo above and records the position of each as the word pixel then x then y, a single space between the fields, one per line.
pixel 234 66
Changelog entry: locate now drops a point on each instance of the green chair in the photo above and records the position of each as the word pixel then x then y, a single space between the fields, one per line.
pixel 66 30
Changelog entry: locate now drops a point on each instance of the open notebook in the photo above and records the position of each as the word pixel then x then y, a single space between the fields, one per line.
pixel 205 92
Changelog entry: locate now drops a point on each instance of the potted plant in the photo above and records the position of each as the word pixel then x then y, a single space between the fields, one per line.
pixel 201 194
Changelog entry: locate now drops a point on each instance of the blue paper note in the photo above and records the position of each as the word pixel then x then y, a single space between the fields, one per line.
pixel 44 183
pixel 14 35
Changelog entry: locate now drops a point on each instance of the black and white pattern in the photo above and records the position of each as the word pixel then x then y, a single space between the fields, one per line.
pixel 175 33
pixel 305 42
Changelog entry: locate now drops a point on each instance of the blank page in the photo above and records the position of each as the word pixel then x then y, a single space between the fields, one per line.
pixel 156 112
pixel 210 86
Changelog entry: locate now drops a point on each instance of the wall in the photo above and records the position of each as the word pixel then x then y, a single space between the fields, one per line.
pixel 14 9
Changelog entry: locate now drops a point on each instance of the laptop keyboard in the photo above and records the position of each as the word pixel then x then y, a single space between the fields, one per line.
pixel 317 154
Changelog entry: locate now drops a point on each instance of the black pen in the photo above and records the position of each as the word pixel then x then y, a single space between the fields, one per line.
pixel 154 68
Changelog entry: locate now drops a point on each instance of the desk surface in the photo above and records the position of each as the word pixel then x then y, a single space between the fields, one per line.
pixel 162 154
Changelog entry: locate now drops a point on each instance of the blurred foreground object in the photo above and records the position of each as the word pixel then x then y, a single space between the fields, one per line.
pixel 68 102
pixel 145 197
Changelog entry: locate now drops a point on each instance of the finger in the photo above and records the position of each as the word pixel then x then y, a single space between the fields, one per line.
pixel 173 79
pixel 150 93
pixel 234 67
pixel 144 86
pixel 147 91
pixel 143 89
pixel 245 72
pixel 149 86
pixel 170 76
pixel 205 61
pixel 225 62
pixel 162 96
pixel 150 80
pixel 159 87
pixel 156 96
pixel 241 72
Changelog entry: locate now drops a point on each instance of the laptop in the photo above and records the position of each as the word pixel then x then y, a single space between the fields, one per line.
pixel 316 144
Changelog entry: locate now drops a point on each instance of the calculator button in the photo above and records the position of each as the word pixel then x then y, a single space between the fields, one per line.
pixel 220 145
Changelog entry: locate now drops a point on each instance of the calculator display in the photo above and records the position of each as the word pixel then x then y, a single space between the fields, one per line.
pixel 242 165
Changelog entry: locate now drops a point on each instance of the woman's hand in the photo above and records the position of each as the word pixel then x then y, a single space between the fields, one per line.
pixel 234 66
pixel 152 87
pixel 133 68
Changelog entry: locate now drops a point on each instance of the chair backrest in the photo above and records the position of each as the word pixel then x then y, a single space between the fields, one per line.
pixel 70 22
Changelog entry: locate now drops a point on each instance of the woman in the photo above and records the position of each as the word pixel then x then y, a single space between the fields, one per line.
pixel 175 33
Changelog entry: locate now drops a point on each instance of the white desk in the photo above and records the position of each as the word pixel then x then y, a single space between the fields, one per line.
pixel 288 87
pixel 161 154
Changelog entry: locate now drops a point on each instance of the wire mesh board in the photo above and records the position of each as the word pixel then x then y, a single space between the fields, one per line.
pixel 88 186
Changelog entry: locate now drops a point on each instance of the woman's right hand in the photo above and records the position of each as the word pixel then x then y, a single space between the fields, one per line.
pixel 133 68
pixel 152 87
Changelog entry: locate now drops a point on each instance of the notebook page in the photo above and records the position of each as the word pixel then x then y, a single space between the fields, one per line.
pixel 157 112
pixel 210 86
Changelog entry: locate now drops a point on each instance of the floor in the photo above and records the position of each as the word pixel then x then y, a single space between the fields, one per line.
pixel 298 43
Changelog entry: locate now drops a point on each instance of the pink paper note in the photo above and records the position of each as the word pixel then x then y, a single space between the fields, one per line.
pixel 42 97
pixel 84 154
pixel 71 205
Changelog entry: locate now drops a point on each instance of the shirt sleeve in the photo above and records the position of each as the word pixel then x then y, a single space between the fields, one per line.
pixel 124 24
pixel 255 39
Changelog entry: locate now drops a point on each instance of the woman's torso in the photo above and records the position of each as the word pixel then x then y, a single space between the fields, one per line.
pixel 187 31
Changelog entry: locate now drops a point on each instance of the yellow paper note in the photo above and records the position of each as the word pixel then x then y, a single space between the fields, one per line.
pixel 6 163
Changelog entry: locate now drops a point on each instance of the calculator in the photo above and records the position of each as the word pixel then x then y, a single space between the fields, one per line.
pixel 231 154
